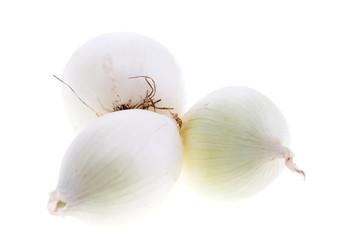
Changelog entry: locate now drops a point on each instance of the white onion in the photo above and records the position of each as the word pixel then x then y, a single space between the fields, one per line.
pixel 100 71
pixel 236 142
pixel 118 168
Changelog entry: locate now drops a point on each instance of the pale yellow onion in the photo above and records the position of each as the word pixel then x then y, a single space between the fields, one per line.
pixel 118 168
pixel 100 73
pixel 236 142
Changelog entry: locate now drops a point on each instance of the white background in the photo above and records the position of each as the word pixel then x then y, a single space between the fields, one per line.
pixel 295 52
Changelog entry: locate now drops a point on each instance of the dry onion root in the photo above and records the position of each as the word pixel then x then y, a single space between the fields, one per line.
pixel 146 103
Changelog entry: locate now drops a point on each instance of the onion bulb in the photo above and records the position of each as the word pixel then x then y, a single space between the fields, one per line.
pixel 236 142
pixel 118 168
pixel 108 72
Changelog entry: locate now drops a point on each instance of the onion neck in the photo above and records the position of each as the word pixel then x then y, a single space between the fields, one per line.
pixel 56 203
pixel 279 151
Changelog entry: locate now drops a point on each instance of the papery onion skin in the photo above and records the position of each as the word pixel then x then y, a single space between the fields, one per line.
pixel 236 142
pixel 119 168
pixel 100 70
